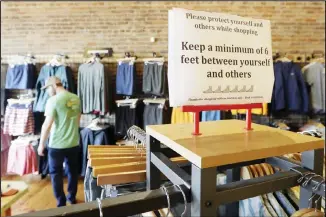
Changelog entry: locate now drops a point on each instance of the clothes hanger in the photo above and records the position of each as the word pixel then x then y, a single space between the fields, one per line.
pixel 108 150
pixel 29 59
pixel 94 125
pixel 271 169
pixel 269 199
pixel 111 150
pixel 263 170
pixel 297 156
pixel 314 214
pixel 90 60
pixel 154 59
pixel 96 160
pixel 309 212
pixel 131 166
pixel 134 133
pixel 127 102
pixel 154 101
pixel 121 172
pixel 305 183
pixel 94 58
pixel 301 212
pixel 184 200
pixel 282 125
pixel 12 101
pixel 166 211
pixel 149 214
pixel 312 125
pixel 259 170
pixel 254 171
pixel 121 177
pixel 99 147
pixel 319 59
pixel 266 169
pixel 116 154
pixel 99 206
pixel 127 58
pixel 55 61
pixel 250 172
pixel 99 161
pixel 282 58
pixel 112 160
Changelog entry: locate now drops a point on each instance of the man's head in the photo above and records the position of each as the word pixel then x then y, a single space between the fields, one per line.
pixel 52 85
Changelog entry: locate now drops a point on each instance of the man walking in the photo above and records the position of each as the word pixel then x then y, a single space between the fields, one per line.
pixel 62 115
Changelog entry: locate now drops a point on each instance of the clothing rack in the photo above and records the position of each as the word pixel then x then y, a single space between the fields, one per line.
pixel 198 187
pixel 79 58
pixel 156 199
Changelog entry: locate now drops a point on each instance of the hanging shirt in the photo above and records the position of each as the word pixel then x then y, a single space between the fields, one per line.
pixel 210 116
pixel 314 75
pixel 262 111
pixel 19 119
pixel 21 76
pixel 91 137
pixel 46 72
pixel 289 92
pixel 5 144
pixel 92 88
pixel 179 117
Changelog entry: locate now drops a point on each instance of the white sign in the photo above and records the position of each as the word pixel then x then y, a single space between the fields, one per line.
pixel 218 59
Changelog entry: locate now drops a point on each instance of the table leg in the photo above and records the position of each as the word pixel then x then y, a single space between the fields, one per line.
pixel 153 174
pixel 203 191
pixel 233 175
pixel 312 160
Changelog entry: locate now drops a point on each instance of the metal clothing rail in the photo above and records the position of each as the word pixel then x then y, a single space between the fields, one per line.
pixel 156 199
pixel 121 206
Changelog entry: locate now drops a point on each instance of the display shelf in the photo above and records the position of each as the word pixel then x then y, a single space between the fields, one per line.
pixel 227 142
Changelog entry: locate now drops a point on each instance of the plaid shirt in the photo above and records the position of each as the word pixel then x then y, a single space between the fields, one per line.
pixel 19 119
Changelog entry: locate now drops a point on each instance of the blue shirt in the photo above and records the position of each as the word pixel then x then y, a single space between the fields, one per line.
pixel 290 91
pixel 210 116
pixel 20 77
pixel 47 71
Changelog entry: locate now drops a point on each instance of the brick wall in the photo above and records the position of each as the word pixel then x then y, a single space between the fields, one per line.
pixel 71 27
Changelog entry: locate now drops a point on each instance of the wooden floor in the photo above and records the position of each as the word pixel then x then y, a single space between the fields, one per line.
pixel 40 195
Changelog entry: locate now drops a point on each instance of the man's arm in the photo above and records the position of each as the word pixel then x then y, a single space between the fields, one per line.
pixel 46 127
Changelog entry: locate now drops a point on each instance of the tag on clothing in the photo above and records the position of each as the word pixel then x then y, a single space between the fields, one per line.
pixel 161 106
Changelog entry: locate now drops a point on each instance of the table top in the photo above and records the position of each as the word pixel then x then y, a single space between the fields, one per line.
pixel 6 202
pixel 227 142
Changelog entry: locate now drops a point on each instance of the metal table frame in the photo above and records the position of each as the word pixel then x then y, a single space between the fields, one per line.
pixel 199 186
pixel 206 197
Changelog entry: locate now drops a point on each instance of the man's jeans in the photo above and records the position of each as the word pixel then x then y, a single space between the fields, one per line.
pixel 71 158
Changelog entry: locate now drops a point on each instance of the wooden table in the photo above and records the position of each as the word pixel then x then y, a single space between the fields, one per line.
pixel 6 202
pixel 226 144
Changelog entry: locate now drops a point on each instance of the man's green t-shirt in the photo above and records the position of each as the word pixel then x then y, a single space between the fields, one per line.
pixel 65 109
